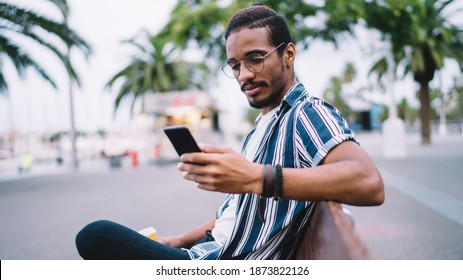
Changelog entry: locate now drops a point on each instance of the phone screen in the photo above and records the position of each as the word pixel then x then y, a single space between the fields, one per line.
pixel 181 139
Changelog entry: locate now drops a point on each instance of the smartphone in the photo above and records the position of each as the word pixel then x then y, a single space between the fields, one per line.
pixel 181 139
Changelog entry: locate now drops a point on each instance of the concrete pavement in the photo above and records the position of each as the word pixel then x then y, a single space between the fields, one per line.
pixel 41 213
pixel 422 217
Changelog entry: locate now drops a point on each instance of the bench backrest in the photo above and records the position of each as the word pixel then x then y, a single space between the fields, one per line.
pixel 331 236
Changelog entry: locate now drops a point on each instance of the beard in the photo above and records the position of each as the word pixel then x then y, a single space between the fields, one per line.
pixel 271 99
pixel 276 85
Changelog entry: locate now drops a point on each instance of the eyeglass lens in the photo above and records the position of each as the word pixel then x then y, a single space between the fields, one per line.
pixel 253 62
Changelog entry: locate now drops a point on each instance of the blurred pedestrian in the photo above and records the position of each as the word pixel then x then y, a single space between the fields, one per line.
pixel 26 162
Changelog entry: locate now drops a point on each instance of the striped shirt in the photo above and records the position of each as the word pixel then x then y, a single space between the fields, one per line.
pixel 301 133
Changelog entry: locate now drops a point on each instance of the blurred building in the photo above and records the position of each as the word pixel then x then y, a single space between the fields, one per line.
pixel 180 107
pixel 195 109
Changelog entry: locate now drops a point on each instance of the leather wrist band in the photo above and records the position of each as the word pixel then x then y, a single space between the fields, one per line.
pixel 267 184
pixel 272 185
pixel 264 179
pixel 267 190
pixel 278 182
pixel 274 177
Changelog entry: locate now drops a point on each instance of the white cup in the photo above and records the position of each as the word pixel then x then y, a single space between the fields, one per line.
pixel 149 232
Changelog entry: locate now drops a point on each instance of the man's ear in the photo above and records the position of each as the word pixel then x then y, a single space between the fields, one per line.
pixel 290 54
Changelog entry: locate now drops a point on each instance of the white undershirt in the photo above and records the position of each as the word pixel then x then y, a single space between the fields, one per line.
pixel 258 135
pixel 224 225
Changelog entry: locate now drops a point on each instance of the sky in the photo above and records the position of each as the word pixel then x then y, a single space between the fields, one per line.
pixel 103 24
pixel 34 106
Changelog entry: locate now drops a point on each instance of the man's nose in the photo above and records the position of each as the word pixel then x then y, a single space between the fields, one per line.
pixel 245 74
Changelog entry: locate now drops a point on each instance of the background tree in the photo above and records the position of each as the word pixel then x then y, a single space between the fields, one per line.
pixel 456 95
pixel 420 32
pixel 407 113
pixel 448 102
pixel 156 67
pixel 422 36
pixel 19 22
pixel 202 23
pixel 335 92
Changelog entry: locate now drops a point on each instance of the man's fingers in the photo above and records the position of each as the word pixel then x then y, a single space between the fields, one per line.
pixel 195 177
pixel 208 148
pixel 206 187
pixel 191 167
pixel 193 158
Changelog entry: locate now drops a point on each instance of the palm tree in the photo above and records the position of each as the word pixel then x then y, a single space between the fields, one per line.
pixel 457 92
pixel 64 8
pixel 20 22
pixel 420 31
pixel 16 21
pixel 156 67
pixel 334 92
pixel 204 22
pixel 422 36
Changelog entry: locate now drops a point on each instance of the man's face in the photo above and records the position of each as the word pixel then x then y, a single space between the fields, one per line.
pixel 265 89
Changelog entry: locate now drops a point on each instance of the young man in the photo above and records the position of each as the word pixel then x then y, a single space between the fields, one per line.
pixel 301 151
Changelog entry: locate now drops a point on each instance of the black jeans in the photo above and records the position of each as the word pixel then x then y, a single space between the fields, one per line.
pixel 106 240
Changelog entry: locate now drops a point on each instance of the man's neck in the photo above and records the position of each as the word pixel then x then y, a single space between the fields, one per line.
pixel 285 90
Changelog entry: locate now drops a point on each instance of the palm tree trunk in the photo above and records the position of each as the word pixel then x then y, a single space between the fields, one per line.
pixel 72 134
pixel 425 113
pixel 72 131
pixel 11 136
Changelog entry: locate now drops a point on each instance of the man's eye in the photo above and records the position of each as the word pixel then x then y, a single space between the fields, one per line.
pixel 253 59
pixel 235 66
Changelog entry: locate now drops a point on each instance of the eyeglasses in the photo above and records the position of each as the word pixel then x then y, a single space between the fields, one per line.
pixel 254 63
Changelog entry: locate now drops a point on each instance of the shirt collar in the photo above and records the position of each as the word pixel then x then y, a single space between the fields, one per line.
pixel 295 93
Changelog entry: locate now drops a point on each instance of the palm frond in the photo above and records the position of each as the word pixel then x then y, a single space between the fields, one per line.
pixel 23 21
pixel 22 60
pixel 380 67
pixel 31 25
pixel 62 6
pixel 156 66
pixel 3 83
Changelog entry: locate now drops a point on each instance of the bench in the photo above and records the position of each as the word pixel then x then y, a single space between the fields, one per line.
pixel 331 236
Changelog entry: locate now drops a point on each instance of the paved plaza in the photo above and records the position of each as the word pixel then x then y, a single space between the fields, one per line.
pixel 41 212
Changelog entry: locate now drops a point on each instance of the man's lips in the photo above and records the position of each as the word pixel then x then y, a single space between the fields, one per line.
pixel 251 89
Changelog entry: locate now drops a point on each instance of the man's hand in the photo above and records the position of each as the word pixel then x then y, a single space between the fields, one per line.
pixel 187 239
pixel 172 241
pixel 222 170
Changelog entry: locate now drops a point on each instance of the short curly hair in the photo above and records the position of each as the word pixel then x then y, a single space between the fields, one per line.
pixel 258 16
